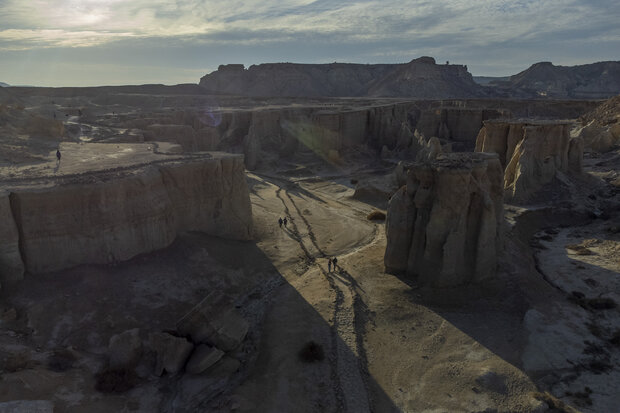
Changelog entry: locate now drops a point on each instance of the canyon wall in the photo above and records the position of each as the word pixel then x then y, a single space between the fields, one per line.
pixel 445 225
pixel 104 220
pixel 11 265
pixel 531 153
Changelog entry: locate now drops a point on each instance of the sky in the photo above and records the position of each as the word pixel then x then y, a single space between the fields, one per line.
pixel 115 42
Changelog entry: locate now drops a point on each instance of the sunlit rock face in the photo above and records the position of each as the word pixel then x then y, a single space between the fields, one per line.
pixel 103 220
pixel 531 152
pixel 444 226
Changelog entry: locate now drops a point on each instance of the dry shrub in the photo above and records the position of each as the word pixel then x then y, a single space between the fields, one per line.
pixel 16 362
pixel 354 181
pixel 600 303
pixel 376 216
pixel 115 380
pixel 615 338
pixel 311 352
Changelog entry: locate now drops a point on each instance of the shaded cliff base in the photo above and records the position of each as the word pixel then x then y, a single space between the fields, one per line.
pixel 389 344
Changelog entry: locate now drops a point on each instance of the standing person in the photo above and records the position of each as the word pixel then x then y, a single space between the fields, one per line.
pixel 58 155
pixel 329 265
pixel 285 221
pixel 335 261
pixel 280 222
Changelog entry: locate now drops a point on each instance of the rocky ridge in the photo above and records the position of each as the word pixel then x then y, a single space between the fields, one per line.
pixel 599 80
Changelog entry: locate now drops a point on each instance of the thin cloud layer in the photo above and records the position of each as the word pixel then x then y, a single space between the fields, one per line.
pixel 489 34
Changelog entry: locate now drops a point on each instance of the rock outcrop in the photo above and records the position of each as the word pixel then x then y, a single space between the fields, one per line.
pixel 104 219
pixel 214 321
pixel 421 78
pixel 445 226
pixel 601 127
pixel 171 352
pixel 531 152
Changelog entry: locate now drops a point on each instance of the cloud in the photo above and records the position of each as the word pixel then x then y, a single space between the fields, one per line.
pixel 489 36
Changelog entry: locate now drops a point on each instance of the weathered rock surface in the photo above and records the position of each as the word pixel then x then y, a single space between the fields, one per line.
pixel 125 349
pixel 444 226
pixel 27 406
pixel 11 265
pixel 601 127
pixel 531 152
pixel 112 220
pixel 214 321
pixel 172 352
pixel 202 358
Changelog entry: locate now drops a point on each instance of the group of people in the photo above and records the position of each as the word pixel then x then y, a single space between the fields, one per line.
pixel 330 262
pixel 282 221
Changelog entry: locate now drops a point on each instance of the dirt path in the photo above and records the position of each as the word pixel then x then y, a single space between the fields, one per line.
pixel 350 378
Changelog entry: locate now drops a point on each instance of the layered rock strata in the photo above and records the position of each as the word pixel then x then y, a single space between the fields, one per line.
pixel 531 152
pixel 109 218
pixel 444 225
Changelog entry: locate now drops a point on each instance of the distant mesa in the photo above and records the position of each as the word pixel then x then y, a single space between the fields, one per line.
pixel 2 84
pixel 421 78
pixel 544 80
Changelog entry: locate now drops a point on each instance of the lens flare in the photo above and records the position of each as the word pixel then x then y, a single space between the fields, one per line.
pixel 211 115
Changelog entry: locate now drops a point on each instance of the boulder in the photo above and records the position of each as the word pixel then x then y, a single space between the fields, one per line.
pixel 444 226
pixel 203 357
pixel 172 352
pixel 214 321
pixel 125 349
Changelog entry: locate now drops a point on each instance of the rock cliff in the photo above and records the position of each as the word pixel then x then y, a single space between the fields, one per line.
pixel 445 226
pixel 110 218
pixel 531 153
pixel 11 265
pixel 421 78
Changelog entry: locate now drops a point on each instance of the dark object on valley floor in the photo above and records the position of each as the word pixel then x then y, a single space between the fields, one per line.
pixel 312 352
pixel 376 216
pixel 115 380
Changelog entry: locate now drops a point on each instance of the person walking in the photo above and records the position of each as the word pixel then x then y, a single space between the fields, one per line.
pixel 285 221
pixel 58 155
pixel 280 222
pixel 329 265
pixel 335 262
